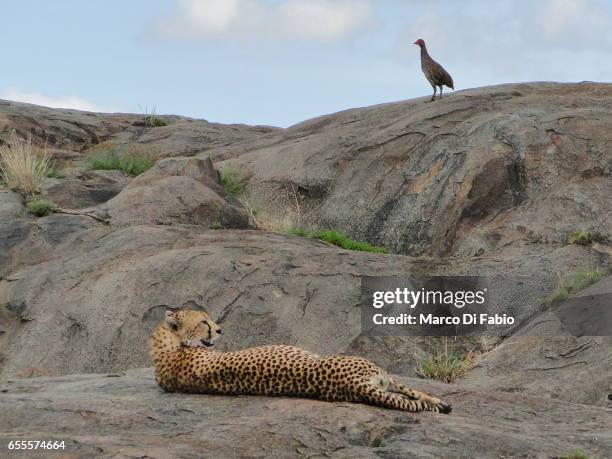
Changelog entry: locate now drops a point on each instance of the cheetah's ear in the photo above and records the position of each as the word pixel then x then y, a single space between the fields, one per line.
pixel 171 320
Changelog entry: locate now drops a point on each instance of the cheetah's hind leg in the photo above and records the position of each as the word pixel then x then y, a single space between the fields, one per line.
pixel 412 394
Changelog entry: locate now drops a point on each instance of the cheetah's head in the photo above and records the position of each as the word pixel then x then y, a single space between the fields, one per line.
pixel 194 328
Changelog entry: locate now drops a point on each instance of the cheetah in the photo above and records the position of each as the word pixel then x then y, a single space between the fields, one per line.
pixel 184 362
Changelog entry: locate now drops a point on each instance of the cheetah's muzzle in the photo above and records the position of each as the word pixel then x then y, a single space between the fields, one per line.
pixel 184 362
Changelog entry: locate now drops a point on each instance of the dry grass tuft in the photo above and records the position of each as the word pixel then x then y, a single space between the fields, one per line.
pixel 24 167
pixel 445 364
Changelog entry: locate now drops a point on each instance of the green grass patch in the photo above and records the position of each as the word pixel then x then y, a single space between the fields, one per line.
pixel 40 207
pixel 341 240
pixel 299 232
pixel 103 160
pixel 338 239
pixel 580 238
pixel 576 454
pixel 445 364
pixel 578 281
pixel 132 162
pixel 215 226
pixel 233 181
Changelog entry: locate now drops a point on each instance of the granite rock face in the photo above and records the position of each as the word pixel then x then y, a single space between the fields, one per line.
pixel 488 182
pixel 91 300
pixel 127 415
pixel 79 189
pixel 67 132
pixel 176 190
pixel 481 171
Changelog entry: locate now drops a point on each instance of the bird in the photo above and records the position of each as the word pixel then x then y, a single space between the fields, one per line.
pixel 434 72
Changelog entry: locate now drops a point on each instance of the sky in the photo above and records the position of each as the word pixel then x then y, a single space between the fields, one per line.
pixel 279 62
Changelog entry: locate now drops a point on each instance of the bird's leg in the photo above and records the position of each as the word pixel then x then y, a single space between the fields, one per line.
pixel 441 92
pixel 434 94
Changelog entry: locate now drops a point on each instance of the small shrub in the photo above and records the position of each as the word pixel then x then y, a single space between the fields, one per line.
pixel 233 181
pixel 445 364
pixel 578 281
pixel 23 166
pixel 216 226
pixel 338 239
pixel 133 162
pixel 580 238
pixel 40 207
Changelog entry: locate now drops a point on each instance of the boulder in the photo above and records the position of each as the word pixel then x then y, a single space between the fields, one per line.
pixel 80 189
pixel 176 190
pixel 544 357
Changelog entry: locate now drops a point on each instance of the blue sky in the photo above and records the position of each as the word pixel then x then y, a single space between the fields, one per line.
pixel 279 62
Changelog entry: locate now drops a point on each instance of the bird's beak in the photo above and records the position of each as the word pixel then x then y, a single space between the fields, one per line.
pixel 415 43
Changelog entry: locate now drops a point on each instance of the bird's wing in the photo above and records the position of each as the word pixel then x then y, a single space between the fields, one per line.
pixel 439 75
pixel 445 78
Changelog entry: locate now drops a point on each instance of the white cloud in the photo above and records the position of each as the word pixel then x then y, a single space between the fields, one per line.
pixel 316 20
pixel 562 40
pixel 73 102
pixel 574 23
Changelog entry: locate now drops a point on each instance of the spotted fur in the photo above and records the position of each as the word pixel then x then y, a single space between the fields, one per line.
pixel 185 362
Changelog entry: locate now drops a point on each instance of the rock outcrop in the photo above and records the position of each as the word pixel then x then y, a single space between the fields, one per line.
pixel 71 131
pixel 484 182
pixel 482 171
pixel 127 415
pixel 90 301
